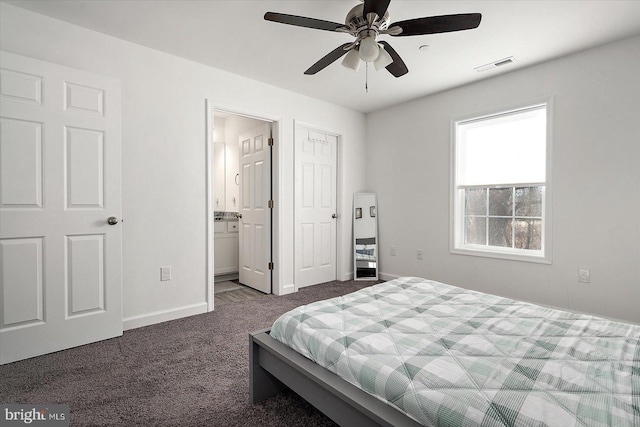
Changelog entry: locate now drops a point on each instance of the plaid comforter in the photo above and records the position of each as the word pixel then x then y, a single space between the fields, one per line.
pixel 447 356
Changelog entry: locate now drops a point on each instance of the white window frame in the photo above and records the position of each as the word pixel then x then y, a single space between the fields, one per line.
pixel 457 244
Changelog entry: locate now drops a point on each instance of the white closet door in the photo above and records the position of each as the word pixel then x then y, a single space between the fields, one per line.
pixel 315 204
pixel 60 181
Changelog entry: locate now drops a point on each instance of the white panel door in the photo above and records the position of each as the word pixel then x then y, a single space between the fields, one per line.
pixel 255 220
pixel 60 260
pixel 315 201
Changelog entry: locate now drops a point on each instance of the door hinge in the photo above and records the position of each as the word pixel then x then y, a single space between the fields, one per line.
pixel 270 266
pixel 271 204
pixel 270 142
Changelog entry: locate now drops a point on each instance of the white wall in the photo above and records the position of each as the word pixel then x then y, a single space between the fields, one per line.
pixel 596 177
pixel 163 161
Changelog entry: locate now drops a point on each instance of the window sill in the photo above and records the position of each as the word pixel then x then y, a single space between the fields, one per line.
pixel 506 255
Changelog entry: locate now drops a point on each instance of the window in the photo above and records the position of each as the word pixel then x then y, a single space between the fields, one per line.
pixel 500 189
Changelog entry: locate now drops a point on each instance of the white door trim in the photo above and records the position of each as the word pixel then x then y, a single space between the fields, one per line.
pixel 276 122
pixel 208 154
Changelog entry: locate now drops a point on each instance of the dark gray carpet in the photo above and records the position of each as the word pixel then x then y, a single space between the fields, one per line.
pixel 187 372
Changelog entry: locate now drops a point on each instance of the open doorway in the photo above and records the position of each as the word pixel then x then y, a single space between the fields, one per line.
pixel 241 204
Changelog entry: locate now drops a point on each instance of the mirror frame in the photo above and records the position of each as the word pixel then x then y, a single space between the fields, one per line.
pixel 360 213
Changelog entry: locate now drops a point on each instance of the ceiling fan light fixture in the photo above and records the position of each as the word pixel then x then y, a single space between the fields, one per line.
pixel 383 59
pixel 369 49
pixel 352 60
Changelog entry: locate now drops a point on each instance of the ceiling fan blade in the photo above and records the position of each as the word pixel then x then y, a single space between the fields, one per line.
pixel 398 68
pixel 437 24
pixel 301 21
pixel 379 7
pixel 328 59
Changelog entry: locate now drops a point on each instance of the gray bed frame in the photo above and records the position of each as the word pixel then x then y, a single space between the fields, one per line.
pixel 274 367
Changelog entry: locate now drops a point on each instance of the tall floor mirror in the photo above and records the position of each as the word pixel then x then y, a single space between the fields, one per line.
pixel 365 236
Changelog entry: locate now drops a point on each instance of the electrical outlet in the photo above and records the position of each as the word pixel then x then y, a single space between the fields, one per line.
pixel 584 275
pixel 165 274
pixel 420 253
pixel 392 251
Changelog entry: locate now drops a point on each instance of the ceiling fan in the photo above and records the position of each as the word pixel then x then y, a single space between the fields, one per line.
pixel 366 22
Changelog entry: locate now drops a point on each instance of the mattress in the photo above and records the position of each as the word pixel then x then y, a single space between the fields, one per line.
pixel 448 356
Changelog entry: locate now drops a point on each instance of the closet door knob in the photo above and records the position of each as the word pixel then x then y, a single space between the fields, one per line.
pixel 334 216
pixel 112 220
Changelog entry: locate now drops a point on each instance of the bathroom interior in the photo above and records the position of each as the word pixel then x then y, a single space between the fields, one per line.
pixel 226 198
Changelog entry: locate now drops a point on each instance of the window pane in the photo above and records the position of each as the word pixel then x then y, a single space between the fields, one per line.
pixel 475 201
pixel 528 234
pixel 529 201
pixel 501 201
pixel 500 232
pixel 476 230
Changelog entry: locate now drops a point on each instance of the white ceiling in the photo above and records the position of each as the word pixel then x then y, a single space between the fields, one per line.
pixel 233 36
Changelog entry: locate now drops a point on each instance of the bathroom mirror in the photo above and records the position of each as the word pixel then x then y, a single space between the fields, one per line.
pixel 365 236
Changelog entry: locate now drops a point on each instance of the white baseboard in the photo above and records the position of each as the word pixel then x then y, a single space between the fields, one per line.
pixel 388 276
pixel 163 316
pixel 287 289
pixel 381 275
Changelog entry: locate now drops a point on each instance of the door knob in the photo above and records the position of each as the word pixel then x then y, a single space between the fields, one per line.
pixel 239 215
pixel 334 216
pixel 112 220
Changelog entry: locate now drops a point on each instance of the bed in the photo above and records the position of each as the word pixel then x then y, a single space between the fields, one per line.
pixel 412 352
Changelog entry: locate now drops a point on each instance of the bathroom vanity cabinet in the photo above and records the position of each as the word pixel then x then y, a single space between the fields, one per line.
pixel 226 251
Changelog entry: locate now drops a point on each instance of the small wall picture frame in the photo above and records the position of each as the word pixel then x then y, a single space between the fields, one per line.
pixel 372 211
pixel 358 213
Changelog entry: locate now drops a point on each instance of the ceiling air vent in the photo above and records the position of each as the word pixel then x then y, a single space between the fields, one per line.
pixel 495 64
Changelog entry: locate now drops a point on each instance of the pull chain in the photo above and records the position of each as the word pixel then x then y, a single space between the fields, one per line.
pixel 366 77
